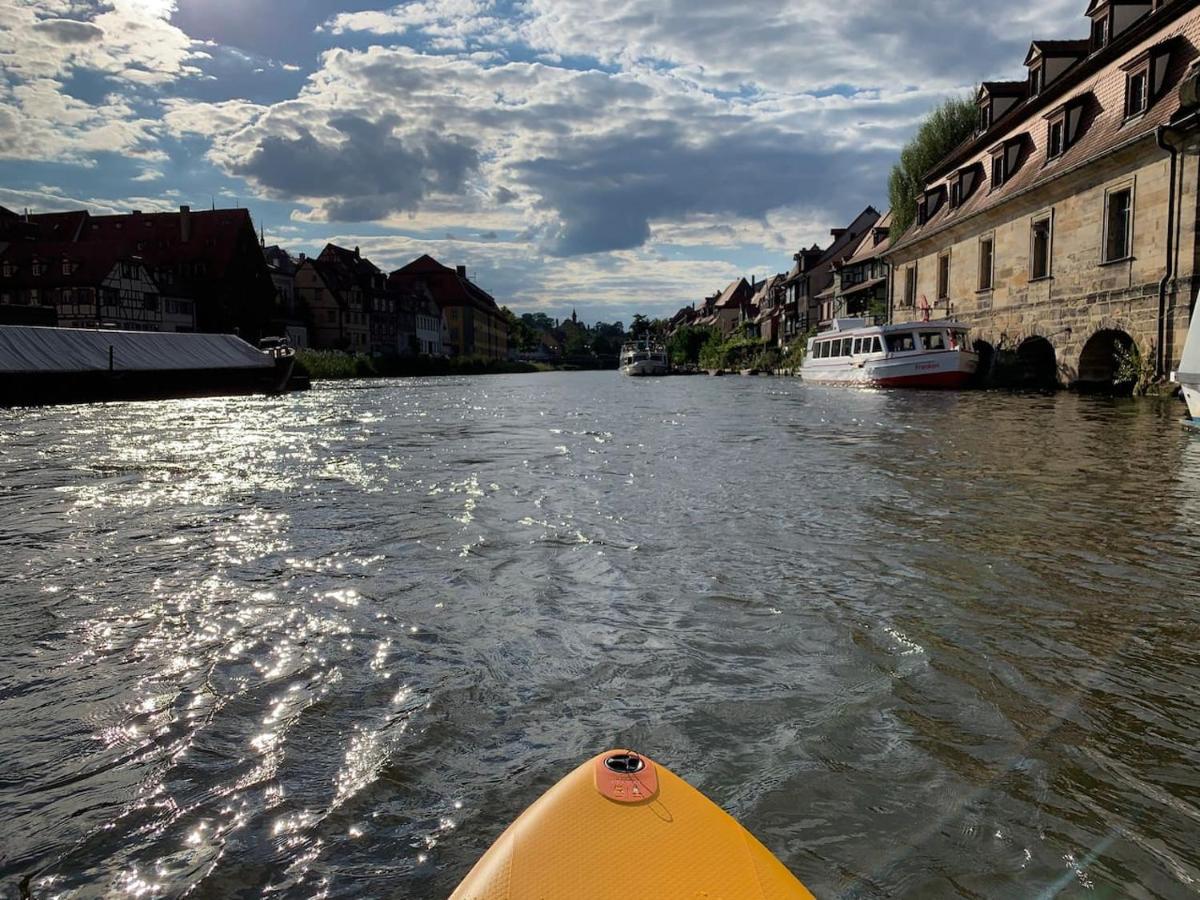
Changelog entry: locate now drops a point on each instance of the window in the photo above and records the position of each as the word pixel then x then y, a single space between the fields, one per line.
pixel 846 345
pixel 37 268
pixel 943 281
pixel 900 343
pixel 1036 80
pixel 8 270
pixel 1099 33
pixel 66 267
pixel 1118 224
pixel 910 286
pixel 1137 92
pixel 933 340
pixel 985 117
pixel 1056 140
pixel 986 262
pixel 877 347
pixel 997 170
pixel 1040 246
pixel 857 347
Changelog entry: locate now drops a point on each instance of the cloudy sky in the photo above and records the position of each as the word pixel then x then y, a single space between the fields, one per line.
pixel 614 156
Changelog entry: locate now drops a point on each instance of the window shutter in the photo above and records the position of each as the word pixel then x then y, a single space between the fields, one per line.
pixel 1074 122
pixel 1160 62
pixel 1012 154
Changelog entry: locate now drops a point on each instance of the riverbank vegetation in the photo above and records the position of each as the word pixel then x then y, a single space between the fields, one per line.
pixel 707 348
pixel 334 364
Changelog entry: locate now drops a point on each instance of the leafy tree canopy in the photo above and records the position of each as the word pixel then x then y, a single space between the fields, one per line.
pixel 943 129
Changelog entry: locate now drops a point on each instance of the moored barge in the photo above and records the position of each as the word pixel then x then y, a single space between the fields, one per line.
pixel 42 366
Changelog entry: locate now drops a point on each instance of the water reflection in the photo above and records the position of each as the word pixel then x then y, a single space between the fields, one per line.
pixel 923 645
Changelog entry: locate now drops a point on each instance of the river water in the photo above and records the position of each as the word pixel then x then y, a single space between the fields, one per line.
pixel 922 645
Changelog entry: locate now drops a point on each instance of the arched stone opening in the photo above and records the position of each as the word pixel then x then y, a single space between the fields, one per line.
pixel 987 358
pixel 1037 365
pixel 1101 368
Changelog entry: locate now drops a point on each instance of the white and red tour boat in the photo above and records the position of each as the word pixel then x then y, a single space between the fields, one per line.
pixel 1188 375
pixel 910 354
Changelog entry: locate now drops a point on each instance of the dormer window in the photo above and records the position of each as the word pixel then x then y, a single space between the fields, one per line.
pixel 1100 33
pixel 1056 139
pixel 1146 78
pixel 985 117
pixel 1006 159
pixel 963 185
pixel 1037 80
pixel 930 203
pixel 1137 91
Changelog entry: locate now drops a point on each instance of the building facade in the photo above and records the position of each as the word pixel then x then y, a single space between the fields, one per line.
pixel 812 276
pixel 475 324
pixel 1065 230
pixel 861 280
pixel 89 286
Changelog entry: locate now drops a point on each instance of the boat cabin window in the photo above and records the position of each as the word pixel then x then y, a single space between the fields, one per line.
pixel 847 344
pixel 933 340
pixel 900 343
pixel 877 346
pixel 958 341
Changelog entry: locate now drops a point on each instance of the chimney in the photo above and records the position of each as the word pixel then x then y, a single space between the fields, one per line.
pixel 356 253
pixel 837 232
pixel 185 223
pixel 462 271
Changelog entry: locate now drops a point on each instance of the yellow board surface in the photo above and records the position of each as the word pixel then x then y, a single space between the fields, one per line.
pixel 577 843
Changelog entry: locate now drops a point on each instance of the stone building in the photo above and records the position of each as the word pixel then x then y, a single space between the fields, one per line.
pixel 861 279
pixel 476 326
pixel 732 307
pixel 289 318
pixel 768 304
pixel 1066 227
pixel 336 303
pixel 812 275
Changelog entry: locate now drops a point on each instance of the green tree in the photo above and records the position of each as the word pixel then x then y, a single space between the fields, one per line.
pixel 685 344
pixel 640 327
pixel 943 129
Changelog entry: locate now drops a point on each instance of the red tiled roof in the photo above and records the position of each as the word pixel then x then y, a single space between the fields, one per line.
pixel 448 287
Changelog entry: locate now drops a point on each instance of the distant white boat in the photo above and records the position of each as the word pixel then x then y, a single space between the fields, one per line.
pixel 910 354
pixel 1188 375
pixel 644 359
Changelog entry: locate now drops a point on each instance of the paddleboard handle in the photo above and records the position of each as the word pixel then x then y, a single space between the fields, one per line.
pixel 625 776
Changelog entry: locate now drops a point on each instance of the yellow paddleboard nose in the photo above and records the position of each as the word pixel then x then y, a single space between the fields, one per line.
pixel 621 827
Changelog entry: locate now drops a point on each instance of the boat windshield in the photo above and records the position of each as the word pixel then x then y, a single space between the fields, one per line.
pixel 933 340
pixel 901 342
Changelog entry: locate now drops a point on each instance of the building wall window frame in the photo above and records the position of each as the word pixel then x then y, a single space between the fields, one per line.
pixel 987 262
pixel 1101 26
pixel 1137 90
pixel 1041 246
pixel 1116 244
pixel 908 299
pixel 943 275
pixel 1056 136
pixel 1037 79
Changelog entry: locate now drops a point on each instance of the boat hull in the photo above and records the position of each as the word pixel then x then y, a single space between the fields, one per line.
pixel 600 835
pixel 1191 394
pixel 62 388
pixel 645 368
pixel 945 370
